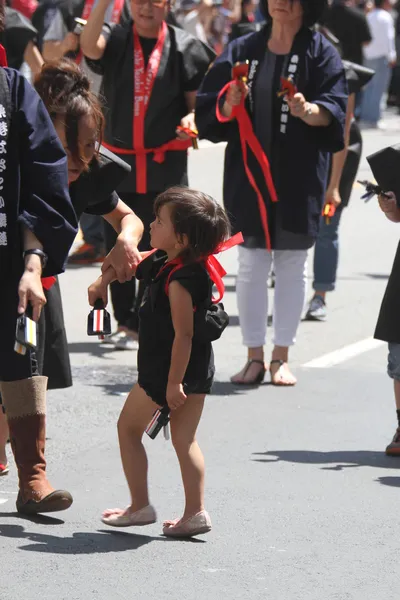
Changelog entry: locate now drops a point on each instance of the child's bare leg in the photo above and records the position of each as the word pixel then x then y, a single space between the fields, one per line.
pixel 3 436
pixel 184 423
pixel 133 420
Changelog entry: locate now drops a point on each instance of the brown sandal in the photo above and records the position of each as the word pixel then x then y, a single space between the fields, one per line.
pixel 259 377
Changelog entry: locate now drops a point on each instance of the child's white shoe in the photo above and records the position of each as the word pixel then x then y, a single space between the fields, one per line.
pixel 124 518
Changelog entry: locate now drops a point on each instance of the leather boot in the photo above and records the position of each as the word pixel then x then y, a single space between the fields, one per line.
pixel 25 405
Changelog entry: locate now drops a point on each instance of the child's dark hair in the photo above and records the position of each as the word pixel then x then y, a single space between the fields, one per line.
pixel 65 91
pixel 199 217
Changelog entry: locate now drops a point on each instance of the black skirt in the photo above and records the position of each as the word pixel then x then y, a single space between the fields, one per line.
pixel 53 355
pixel 388 325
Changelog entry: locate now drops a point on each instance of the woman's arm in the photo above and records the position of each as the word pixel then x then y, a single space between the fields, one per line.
pixel 55 50
pixel 312 114
pixel 125 256
pixel 30 289
pixel 33 57
pixel 339 158
pixel 93 43
pixel 182 319
pixel 99 289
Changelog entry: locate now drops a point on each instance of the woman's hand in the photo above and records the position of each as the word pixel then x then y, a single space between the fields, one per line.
pixel 389 207
pixel 234 96
pixel 332 196
pixel 298 106
pixel 70 42
pixel 176 397
pixel 124 257
pixel 187 122
pixel 97 290
pixel 30 289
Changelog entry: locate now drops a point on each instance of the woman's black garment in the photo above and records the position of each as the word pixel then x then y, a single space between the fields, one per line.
pixel 156 331
pixel 92 193
pixel 53 354
pixel 13 366
pixel 351 165
pixel 123 295
pixel 388 325
pixel 34 194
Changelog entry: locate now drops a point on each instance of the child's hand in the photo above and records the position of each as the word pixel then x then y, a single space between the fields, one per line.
pixel 389 207
pixel 98 290
pixel 176 397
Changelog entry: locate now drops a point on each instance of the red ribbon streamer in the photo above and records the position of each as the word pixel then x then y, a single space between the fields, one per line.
pixel 48 282
pixel 248 138
pixel 212 265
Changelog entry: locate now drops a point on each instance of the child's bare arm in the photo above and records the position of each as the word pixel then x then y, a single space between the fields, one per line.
pixel 182 319
pixel 99 289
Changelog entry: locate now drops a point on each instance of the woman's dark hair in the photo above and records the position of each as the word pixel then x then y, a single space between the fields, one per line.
pixel 312 9
pixel 66 93
pixel 199 217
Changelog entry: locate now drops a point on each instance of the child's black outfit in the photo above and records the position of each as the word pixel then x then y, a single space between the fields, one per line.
pixel 156 331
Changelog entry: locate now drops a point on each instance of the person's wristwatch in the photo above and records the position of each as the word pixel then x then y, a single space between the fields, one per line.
pixel 42 255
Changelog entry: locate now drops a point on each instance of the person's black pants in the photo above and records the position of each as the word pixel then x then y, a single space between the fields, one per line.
pixel 123 295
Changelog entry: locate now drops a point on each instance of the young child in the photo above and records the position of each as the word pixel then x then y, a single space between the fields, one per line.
pixel 174 368
pixel 388 326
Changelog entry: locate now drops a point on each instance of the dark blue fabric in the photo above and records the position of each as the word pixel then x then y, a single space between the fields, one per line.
pixel 300 158
pixel 35 182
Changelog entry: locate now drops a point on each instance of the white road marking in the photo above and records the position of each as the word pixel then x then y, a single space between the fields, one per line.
pixel 339 356
pixel 3 500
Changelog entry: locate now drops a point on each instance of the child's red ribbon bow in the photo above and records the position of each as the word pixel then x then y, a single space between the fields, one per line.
pixel 212 265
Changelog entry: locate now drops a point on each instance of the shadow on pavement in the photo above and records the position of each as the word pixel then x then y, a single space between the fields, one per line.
pixel 95 349
pixel 342 459
pixel 377 275
pixel 39 519
pixel 226 388
pixel 390 481
pixel 101 542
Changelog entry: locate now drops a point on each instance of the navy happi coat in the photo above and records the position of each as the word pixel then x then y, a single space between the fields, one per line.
pixel 301 154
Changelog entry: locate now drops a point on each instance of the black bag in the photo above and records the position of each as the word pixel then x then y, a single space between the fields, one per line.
pixel 210 318
pixel 210 321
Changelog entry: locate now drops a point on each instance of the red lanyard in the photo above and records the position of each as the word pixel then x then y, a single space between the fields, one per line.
pixel 143 81
pixel 248 138
pixel 115 17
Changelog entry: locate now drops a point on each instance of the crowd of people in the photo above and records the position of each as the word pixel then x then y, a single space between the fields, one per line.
pixel 119 93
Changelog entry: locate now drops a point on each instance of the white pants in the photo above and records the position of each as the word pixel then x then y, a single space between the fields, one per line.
pixel 290 267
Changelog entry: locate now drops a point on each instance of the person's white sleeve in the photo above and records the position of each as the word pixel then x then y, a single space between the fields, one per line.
pixel 57 30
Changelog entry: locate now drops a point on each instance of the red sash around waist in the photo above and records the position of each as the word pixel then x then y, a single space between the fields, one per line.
pixel 140 154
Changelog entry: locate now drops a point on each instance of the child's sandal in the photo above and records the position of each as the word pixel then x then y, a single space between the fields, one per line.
pixel 144 516
pixel 196 525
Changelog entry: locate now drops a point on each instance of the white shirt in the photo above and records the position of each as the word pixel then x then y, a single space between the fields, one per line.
pixel 381 25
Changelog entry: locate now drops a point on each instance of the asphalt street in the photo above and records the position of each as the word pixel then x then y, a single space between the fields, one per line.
pixel 302 497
